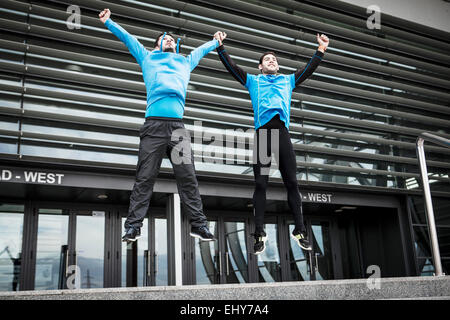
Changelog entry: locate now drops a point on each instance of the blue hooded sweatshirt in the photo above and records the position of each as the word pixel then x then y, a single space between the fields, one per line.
pixel 166 74
pixel 270 93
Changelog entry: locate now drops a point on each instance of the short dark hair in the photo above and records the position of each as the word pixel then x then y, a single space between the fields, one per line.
pixel 157 41
pixel 265 54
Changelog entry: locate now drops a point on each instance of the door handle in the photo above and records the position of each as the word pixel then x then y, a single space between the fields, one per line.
pixel 76 263
pixel 310 263
pixel 148 264
pixel 67 262
pixel 156 262
pixel 226 261
pixel 316 267
pixel 220 263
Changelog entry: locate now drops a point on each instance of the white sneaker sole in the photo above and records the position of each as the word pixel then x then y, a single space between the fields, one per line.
pixel 264 239
pixel 132 240
pixel 298 243
pixel 200 237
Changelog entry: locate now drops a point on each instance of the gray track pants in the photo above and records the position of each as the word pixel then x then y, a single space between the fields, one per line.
pixel 160 137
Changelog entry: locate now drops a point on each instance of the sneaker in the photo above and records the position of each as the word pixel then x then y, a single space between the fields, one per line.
pixel 260 243
pixel 202 233
pixel 132 234
pixel 302 241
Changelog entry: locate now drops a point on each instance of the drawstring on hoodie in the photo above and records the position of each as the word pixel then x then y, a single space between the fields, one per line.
pixel 178 45
pixel 161 44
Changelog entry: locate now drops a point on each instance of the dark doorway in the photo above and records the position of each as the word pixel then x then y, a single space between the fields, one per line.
pixel 370 236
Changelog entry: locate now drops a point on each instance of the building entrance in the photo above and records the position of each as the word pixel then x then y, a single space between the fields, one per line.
pixel 318 263
pixel 70 249
pixel 225 260
pixel 144 262
pixel 52 245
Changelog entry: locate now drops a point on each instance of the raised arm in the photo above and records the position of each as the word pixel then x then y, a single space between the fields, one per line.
pixel 305 72
pixel 198 53
pixel 134 46
pixel 237 73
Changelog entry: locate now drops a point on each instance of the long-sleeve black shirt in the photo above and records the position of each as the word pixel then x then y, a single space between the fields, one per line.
pixel 270 94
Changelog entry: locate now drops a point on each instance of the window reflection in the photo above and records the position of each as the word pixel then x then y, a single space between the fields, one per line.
pixel 67 133
pixel 345 112
pixel 322 251
pixel 13 126
pixel 56 108
pixel 160 267
pixel 269 261
pixel 236 253
pixel 11 229
pixel 52 249
pixel 142 251
pixel 298 260
pixel 10 148
pixel 59 153
pixel 90 241
pixel 207 258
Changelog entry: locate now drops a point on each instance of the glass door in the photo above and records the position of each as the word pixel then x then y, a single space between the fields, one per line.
pixel 316 264
pixel 299 260
pixel 322 251
pixel 269 263
pixel 236 254
pixel 135 257
pixel 208 258
pixel 70 249
pixel 89 247
pixel 11 233
pixel 144 262
pixel 52 253
pixel 158 264
pixel 226 259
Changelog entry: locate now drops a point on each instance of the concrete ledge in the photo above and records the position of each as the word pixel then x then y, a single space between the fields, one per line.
pixel 357 289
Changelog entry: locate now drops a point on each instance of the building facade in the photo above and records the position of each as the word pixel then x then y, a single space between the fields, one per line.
pixel 73 100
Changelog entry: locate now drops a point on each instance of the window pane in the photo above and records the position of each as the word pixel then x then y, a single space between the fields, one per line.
pixel 207 258
pixel 269 261
pixel 237 269
pixel 52 249
pixel 90 242
pixel 11 228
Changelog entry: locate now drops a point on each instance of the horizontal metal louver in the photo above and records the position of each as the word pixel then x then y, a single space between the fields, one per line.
pixel 355 121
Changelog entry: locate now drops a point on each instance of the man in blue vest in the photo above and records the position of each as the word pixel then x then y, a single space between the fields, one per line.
pixel 166 75
pixel 271 94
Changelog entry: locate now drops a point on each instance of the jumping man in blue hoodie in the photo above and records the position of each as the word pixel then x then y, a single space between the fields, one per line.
pixel 271 94
pixel 166 75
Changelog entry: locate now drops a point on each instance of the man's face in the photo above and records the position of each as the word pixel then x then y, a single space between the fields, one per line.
pixel 169 44
pixel 269 64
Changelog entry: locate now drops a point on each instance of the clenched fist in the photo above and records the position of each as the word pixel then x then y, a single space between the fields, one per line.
pixel 220 36
pixel 323 42
pixel 104 15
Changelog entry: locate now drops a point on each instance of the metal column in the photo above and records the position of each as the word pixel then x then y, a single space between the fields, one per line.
pixel 427 194
pixel 174 244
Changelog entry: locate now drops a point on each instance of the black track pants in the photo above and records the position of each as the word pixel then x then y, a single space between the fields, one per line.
pixel 274 137
pixel 160 137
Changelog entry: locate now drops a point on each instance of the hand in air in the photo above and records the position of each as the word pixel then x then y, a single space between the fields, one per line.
pixel 104 15
pixel 220 36
pixel 323 42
